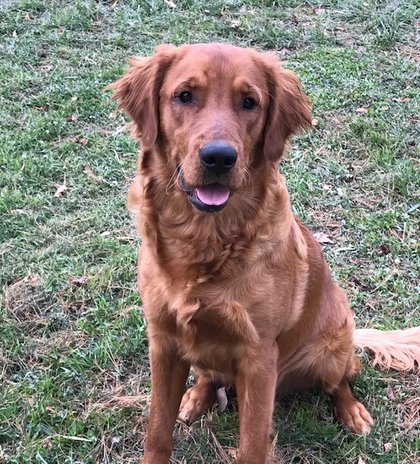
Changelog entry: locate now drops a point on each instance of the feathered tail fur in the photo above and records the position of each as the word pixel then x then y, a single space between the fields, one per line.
pixel 396 349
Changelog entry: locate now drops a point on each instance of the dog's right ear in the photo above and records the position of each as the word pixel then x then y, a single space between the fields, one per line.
pixel 138 91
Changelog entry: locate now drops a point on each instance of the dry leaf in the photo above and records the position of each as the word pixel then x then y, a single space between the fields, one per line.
pixel 285 51
pixel 46 443
pixel 170 3
pixel 314 122
pixel 321 237
pixel 121 129
pixel 78 281
pixel 401 100
pixel 60 189
pixel 388 447
pixel 361 461
pixel 233 452
pixel 361 110
pixel 88 171
pixel 235 23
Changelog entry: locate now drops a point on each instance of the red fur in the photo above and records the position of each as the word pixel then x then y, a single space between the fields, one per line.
pixel 244 295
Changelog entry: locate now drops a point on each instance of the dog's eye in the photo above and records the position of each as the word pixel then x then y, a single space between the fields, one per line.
pixel 185 96
pixel 249 103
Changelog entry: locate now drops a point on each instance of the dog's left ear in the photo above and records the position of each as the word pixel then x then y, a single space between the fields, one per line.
pixel 138 91
pixel 289 110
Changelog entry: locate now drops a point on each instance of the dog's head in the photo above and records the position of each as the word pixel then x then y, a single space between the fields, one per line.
pixel 215 112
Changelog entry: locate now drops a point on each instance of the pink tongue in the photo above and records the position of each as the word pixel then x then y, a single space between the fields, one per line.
pixel 213 194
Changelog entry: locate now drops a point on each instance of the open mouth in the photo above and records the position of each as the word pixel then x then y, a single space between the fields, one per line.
pixel 209 198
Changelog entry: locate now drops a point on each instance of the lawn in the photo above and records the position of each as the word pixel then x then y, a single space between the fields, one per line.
pixel 74 374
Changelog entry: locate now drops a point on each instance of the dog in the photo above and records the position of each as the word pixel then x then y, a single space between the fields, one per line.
pixel 232 282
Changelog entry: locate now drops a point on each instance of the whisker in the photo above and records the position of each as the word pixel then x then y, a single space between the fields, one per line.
pixel 248 179
pixel 172 181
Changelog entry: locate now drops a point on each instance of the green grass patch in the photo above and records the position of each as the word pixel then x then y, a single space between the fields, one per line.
pixel 73 342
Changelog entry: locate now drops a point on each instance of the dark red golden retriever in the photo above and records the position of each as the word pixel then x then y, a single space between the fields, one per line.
pixel 232 282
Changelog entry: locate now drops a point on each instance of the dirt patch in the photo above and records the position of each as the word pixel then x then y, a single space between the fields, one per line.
pixel 25 298
pixel 33 306
pixel 63 340
pixel 409 51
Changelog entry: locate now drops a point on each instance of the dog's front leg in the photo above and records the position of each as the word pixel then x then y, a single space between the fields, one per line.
pixel 169 374
pixel 256 386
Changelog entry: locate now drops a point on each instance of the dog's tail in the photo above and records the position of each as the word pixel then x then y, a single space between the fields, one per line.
pixel 396 349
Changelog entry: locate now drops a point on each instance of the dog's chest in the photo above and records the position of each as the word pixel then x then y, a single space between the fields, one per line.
pixel 211 333
pixel 212 342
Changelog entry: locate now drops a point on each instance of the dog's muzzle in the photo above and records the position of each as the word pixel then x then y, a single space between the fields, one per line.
pixel 210 198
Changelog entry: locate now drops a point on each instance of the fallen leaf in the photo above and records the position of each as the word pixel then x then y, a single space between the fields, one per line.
pixel 314 122
pixel 170 3
pixel 115 441
pixel 388 447
pixel 361 461
pixel 78 281
pixel 47 443
pixel 285 51
pixel 74 117
pixel 233 452
pixel 61 189
pixel 120 129
pixel 361 110
pixel 47 68
pixel 401 100
pixel 83 141
pixel 89 172
pixel 321 237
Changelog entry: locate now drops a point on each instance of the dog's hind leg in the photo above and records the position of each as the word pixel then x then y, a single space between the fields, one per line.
pixel 333 363
pixel 350 412
pixel 198 399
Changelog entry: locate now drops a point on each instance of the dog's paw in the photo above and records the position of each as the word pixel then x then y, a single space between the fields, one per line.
pixel 356 418
pixel 196 401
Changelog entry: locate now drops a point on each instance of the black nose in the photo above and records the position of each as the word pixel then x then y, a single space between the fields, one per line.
pixel 218 157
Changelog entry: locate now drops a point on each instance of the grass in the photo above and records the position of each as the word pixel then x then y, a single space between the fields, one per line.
pixel 74 380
